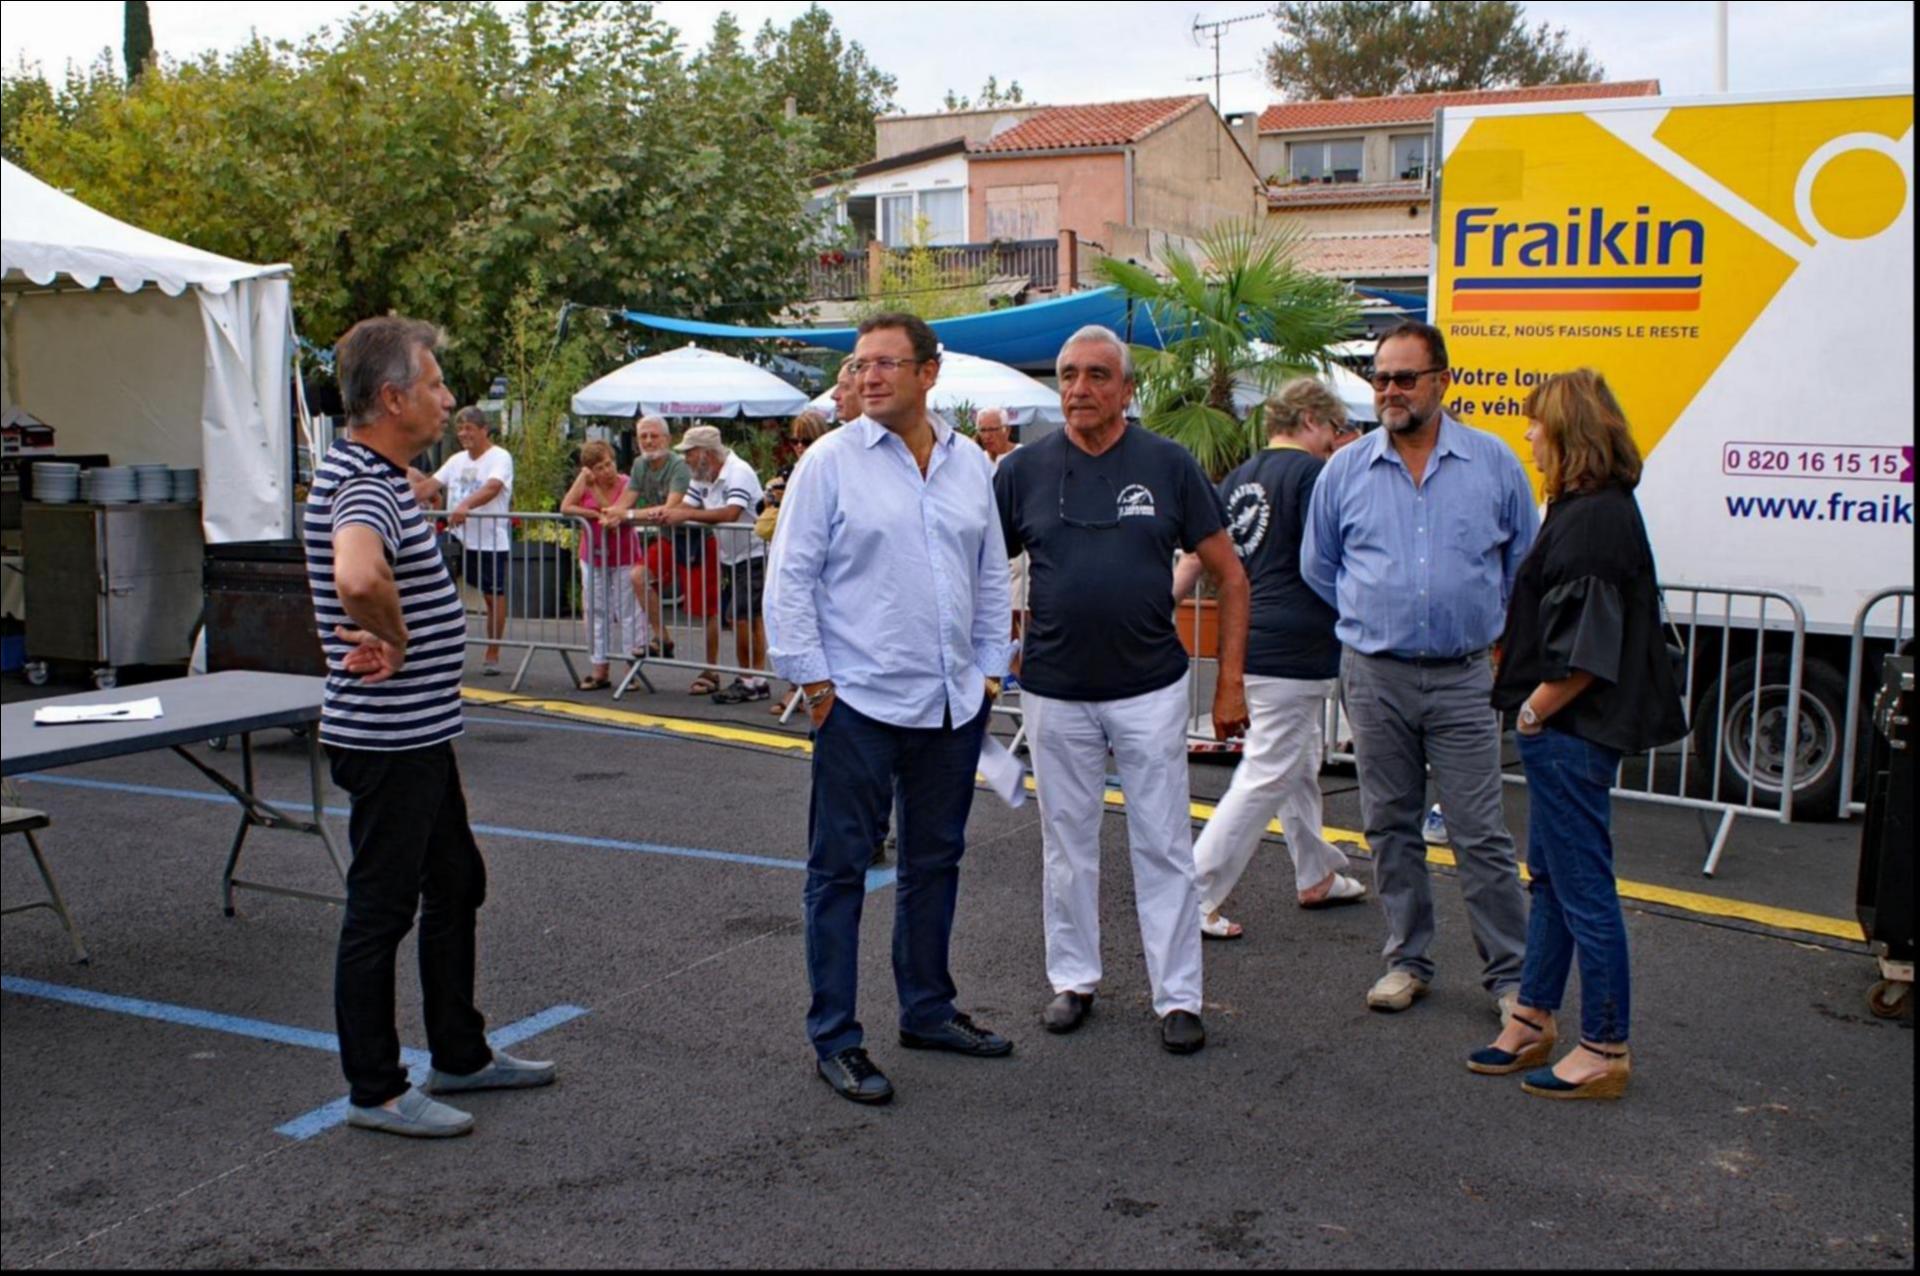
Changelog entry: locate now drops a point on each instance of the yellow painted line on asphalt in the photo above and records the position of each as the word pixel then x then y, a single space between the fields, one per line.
pixel 1687 901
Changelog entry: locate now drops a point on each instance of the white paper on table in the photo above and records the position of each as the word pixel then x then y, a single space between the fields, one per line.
pixel 1003 772
pixel 129 711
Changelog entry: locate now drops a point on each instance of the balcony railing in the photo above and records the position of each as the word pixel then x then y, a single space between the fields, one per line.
pixel 842 276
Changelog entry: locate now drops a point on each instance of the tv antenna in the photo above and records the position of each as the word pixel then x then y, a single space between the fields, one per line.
pixel 1211 30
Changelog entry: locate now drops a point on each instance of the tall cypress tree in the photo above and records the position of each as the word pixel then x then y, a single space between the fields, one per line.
pixel 137 45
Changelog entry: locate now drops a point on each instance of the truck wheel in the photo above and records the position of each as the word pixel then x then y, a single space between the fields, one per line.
pixel 1742 753
pixel 36 672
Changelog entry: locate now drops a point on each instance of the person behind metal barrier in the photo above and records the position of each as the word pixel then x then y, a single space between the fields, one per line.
pixel 1099 508
pixel 1413 536
pixel 1292 661
pixel 724 499
pixel 1585 666
pixel 656 485
pixel 888 605
pixel 995 436
pixel 477 481
pixel 394 632
pixel 608 554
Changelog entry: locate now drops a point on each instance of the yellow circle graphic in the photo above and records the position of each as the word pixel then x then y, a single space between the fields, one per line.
pixel 1857 194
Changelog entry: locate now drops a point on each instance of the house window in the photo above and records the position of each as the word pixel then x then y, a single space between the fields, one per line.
pixel 1023 212
pixel 1410 157
pixel 946 214
pixel 896 220
pixel 1326 161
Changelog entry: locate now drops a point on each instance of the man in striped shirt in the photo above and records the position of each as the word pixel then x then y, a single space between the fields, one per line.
pixel 395 636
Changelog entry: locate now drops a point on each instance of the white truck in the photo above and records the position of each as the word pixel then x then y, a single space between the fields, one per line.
pixel 1741 269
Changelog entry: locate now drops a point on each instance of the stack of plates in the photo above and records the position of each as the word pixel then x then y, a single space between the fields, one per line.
pixel 56 482
pixel 185 484
pixel 152 483
pixel 114 485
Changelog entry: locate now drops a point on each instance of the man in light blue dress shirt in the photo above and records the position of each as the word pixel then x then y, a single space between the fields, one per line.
pixel 887 604
pixel 1414 535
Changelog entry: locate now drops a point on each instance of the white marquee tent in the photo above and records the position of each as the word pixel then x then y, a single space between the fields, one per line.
pixel 186 360
pixel 689 382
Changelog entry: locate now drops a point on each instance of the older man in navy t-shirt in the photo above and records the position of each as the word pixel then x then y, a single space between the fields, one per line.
pixel 1100 508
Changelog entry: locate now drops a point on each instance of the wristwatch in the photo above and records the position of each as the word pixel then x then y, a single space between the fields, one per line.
pixel 1528 718
pixel 817 698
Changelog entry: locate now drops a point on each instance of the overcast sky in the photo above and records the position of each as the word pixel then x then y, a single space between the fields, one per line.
pixel 1084 53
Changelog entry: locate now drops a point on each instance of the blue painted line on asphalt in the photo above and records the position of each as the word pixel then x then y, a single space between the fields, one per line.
pixel 877 879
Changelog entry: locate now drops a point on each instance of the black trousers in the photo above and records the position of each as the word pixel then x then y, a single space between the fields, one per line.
pixel 412 850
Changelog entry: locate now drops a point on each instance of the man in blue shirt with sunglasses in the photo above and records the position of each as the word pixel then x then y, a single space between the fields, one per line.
pixel 1414 535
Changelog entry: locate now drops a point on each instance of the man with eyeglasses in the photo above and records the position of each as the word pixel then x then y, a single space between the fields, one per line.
pixel 1414 536
pixel 888 605
pixel 1099 509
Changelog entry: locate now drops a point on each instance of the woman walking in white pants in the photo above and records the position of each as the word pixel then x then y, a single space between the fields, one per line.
pixel 1292 660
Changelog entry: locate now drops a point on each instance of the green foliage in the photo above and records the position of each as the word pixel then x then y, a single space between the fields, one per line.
pixel 137 42
pixel 1373 48
pixel 923 280
pixel 991 95
pixel 437 158
pixel 1246 312
pixel 23 95
pixel 832 85
pixel 543 370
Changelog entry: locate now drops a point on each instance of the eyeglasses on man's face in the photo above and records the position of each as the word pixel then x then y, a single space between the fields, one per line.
pixel 1400 380
pixel 885 365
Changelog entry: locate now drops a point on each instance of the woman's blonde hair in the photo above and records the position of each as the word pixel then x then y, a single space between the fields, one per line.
pixel 1588 442
pixel 809 425
pixel 594 451
pixel 1288 409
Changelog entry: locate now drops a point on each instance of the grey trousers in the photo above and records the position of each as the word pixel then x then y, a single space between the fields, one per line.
pixel 1406 718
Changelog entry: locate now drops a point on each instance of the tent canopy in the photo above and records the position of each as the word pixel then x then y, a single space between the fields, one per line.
pixel 689 382
pixel 186 361
pixel 968 381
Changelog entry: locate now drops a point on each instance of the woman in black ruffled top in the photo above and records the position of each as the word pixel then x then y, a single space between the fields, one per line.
pixel 1586 671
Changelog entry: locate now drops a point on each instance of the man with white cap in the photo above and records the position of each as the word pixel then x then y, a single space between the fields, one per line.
pixel 724 498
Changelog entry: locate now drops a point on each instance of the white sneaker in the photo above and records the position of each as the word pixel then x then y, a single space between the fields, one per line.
pixel 1433 830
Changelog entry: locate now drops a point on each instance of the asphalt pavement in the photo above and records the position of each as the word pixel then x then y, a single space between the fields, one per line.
pixel 175 1103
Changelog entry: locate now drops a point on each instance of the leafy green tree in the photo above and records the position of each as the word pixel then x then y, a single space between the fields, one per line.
pixel 1244 312
pixel 23 94
pixel 1374 48
pixel 991 95
pixel 136 45
pixel 831 82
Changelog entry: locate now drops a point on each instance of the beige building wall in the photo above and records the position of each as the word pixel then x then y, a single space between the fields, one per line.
pixel 1376 159
pixel 898 134
pixel 1370 219
pixel 1091 190
pixel 1191 175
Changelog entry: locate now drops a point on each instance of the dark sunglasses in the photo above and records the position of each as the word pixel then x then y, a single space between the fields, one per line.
pixel 1400 380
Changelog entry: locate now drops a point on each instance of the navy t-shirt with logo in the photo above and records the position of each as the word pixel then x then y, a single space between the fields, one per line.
pixel 1290 632
pixel 1100 533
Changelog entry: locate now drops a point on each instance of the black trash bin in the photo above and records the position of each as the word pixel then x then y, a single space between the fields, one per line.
pixel 260 610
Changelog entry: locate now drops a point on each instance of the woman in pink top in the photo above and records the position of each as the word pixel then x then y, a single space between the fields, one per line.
pixel 607 555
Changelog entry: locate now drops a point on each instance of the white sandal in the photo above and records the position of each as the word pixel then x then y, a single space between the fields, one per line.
pixel 1345 890
pixel 1219 928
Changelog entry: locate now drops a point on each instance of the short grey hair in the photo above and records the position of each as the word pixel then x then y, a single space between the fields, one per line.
pixel 474 414
pixel 998 414
pixel 652 419
pixel 1098 333
pixel 377 353
pixel 1287 411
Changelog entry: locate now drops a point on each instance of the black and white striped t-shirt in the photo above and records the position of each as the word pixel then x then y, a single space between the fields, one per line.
pixel 420 705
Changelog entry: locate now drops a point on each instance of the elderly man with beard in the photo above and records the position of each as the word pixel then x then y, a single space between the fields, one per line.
pixel 1414 535
pixel 656 485
pixel 724 499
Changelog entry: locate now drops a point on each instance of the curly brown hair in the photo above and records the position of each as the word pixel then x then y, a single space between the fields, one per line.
pixel 1589 444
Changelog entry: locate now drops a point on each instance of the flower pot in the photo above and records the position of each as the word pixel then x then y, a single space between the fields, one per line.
pixel 541 580
pixel 1198 622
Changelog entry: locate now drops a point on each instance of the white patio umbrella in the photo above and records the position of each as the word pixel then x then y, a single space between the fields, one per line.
pixel 969 381
pixel 1352 391
pixel 689 382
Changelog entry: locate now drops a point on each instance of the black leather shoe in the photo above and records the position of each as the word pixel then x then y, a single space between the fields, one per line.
pixel 1181 1032
pixel 960 1035
pixel 1066 1011
pixel 853 1076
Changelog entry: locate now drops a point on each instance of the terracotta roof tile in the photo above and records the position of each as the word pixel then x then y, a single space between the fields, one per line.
pixel 1097 124
pixel 1418 108
pixel 1347 194
pixel 1404 253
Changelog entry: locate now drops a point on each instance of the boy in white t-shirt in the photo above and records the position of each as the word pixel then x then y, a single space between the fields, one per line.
pixel 476 481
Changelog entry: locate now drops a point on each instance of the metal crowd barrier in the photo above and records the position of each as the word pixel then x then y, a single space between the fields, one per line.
pixel 1902 598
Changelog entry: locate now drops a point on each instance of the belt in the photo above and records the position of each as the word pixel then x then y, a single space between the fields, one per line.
pixel 1430 662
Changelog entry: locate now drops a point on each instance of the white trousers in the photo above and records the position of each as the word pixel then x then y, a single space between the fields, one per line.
pixel 1069 741
pixel 613 613
pixel 1279 774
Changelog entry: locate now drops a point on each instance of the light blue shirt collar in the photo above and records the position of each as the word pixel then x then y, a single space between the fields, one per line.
pixel 1448 442
pixel 871 433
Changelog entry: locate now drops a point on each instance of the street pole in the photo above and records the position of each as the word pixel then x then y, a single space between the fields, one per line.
pixel 1720 46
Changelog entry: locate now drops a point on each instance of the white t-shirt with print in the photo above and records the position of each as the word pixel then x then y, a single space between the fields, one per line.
pixel 736 484
pixel 463 476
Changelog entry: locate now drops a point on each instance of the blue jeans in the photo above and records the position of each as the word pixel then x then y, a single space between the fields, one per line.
pixel 1576 907
pixel 859 765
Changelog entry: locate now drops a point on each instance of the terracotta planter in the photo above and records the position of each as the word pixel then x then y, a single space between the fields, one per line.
pixel 1198 621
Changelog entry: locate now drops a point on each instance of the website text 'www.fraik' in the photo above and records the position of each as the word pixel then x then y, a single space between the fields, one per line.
pixel 1837 507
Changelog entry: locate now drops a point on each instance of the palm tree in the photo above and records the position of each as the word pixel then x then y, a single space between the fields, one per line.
pixel 1249 314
